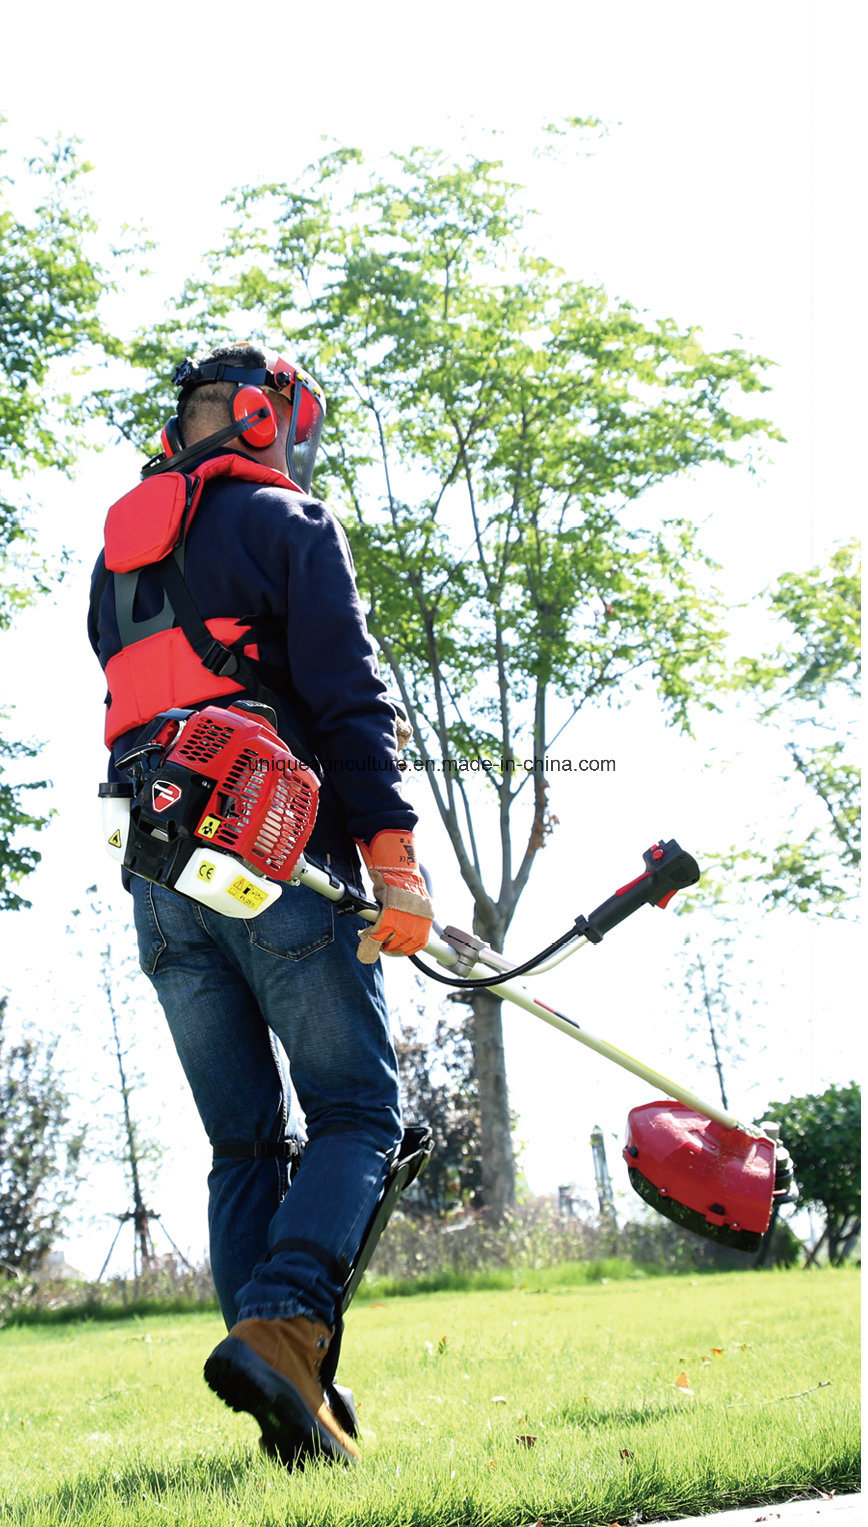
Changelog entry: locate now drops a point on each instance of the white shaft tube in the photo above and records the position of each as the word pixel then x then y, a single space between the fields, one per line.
pixel 318 880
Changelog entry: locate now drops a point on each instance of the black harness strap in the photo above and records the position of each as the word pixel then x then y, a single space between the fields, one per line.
pixel 130 629
pixel 256 1150
pixel 225 662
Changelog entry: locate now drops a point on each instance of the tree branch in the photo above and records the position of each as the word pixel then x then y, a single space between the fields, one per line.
pixel 539 825
pixel 838 826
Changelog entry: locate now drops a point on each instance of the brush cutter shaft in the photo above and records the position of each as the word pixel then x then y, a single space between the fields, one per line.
pixel 318 880
pixel 611 1052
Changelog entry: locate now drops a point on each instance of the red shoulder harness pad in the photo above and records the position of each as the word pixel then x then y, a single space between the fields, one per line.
pixel 149 521
pixel 159 670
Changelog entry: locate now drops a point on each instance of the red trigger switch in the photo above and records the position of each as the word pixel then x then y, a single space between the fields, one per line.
pixel 665 900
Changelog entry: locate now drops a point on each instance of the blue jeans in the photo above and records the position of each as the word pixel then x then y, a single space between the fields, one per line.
pixel 230 988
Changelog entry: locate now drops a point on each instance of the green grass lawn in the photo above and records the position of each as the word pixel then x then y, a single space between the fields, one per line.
pixel 561 1405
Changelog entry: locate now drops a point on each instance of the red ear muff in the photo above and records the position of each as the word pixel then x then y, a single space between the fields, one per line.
pixel 170 437
pixel 246 400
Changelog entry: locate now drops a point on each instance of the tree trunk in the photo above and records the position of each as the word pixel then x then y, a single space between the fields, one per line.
pixel 851 1236
pixel 498 1164
pixel 811 1258
pixel 843 1232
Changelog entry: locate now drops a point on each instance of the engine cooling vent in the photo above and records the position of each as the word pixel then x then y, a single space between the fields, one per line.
pixel 287 822
pixel 202 741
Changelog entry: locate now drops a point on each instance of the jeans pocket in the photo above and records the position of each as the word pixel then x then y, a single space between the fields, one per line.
pixel 299 924
pixel 148 933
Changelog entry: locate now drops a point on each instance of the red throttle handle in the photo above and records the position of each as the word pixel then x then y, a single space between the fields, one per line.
pixel 669 869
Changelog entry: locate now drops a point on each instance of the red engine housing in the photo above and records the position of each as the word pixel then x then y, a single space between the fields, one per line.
pixel 718 1182
pixel 263 803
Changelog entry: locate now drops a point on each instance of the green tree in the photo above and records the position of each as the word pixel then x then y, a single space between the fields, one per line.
pixel 492 424
pixel 823 1133
pixel 437 1089
pixel 810 688
pixel 39 1151
pixel 49 290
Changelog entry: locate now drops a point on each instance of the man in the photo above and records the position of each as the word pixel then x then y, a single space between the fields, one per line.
pixel 263 559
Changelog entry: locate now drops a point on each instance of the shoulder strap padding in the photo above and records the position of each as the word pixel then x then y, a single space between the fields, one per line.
pixel 148 522
pixel 145 524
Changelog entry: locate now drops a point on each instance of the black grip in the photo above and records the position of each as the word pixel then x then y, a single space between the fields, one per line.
pixel 668 869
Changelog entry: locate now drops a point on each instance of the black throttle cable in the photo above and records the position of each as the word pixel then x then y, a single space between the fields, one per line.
pixel 466 983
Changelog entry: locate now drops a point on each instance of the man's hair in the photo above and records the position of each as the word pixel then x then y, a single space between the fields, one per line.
pixel 204 409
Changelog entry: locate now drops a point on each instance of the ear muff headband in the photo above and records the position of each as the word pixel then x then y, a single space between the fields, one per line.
pixel 246 400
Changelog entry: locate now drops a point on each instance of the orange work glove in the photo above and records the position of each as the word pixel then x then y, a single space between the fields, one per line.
pixel 404 924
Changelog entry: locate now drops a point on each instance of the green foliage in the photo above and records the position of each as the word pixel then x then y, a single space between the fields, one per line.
pixel 433 1251
pixel 39 1152
pixel 49 290
pixel 168 1289
pixel 822 1132
pixel 822 650
pixel 17 859
pixel 809 687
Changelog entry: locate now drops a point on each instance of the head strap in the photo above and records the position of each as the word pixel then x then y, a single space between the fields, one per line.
pixel 188 375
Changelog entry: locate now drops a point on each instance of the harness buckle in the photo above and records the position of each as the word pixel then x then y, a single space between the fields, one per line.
pixel 220 660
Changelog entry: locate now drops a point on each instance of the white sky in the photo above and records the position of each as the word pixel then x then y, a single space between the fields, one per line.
pixel 725 196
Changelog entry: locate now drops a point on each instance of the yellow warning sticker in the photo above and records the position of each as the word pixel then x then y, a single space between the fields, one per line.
pixel 206 870
pixel 249 895
pixel 116 840
pixel 209 826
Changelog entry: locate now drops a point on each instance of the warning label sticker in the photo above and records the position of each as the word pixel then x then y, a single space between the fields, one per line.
pixel 209 826
pixel 249 895
pixel 116 840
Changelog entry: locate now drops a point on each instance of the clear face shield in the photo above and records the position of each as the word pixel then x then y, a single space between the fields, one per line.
pixel 306 424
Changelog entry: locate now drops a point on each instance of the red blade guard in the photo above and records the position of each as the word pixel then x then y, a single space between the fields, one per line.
pixel 714 1181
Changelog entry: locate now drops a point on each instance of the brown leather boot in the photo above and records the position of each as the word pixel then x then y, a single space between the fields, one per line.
pixel 271 1368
